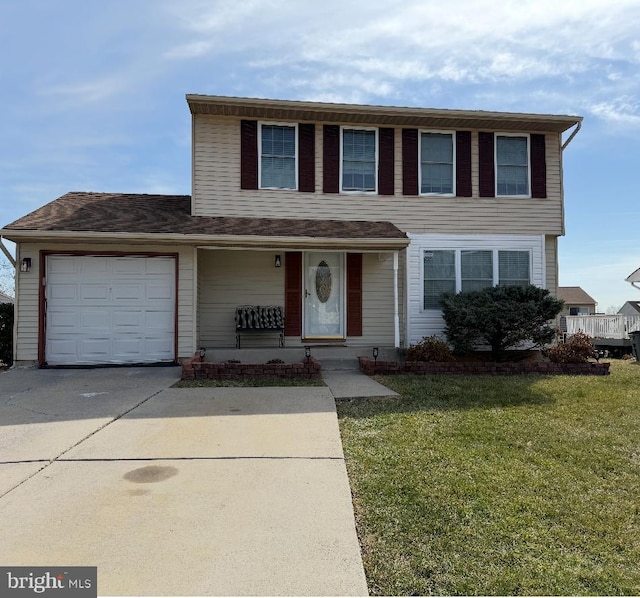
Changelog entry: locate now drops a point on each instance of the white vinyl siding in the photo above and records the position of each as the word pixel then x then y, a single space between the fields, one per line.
pixel 437 163
pixel 217 192
pixel 278 156
pixel 423 318
pixel 513 176
pixel 359 160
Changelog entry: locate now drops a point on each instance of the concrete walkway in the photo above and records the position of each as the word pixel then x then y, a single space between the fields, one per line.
pixel 352 384
pixel 212 491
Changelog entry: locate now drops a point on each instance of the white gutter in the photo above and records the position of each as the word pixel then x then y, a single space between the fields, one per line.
pixel 210 240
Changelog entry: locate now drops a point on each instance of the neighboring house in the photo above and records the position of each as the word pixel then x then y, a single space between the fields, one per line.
pixel 371 211
pixel 630 308
pixel 634 278
pixel 5 298
pixel 576 302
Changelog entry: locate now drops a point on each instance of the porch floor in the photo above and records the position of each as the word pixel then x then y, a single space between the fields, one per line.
pixel 331 357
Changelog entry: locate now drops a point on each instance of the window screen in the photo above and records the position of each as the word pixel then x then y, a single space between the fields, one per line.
pixel 358 160
pixel 512 166
pixel 439 276
pixel 278 157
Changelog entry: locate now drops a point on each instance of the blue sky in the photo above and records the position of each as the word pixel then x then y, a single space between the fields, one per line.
pixel 92 93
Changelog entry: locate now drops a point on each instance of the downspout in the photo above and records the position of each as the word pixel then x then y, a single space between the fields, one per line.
pixel 573 134
pixel 8 255
pixel 396 317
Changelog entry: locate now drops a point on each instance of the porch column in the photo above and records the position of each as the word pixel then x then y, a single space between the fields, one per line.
pixel 396 316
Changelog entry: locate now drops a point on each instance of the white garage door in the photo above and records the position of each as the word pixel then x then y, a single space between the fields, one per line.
pixel 106 309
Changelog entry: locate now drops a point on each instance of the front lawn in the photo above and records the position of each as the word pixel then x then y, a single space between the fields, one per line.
pixel 498 485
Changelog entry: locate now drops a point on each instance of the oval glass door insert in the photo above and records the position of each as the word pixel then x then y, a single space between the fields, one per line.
pixel 323 282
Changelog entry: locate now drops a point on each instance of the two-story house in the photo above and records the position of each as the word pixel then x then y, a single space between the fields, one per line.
pixel 353 218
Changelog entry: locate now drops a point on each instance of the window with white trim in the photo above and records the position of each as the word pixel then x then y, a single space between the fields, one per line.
pixel 278 157
pixel 512 166
pixel 457 270
pixel 514 268
pixel 437 165
pixel 439 276
pixel 359 160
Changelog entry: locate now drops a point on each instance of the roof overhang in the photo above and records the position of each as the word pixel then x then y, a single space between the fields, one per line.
pixel 222 241
pixel 290 110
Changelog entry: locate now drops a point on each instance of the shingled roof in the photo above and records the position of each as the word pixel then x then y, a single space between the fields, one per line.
pixel 575 296
pixel 125 213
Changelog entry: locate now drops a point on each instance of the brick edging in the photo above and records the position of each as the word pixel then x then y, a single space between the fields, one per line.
pixel 196 369
pixel 370 367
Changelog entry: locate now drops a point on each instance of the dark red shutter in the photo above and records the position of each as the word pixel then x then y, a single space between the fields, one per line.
pixel 249 154
pixel 354 294
pixel 463 163
pixel 538 166
pixel 386 172
pixel 331 159
pixel 487 176
pixel 293 293
pixel 410 161
pixel 307 157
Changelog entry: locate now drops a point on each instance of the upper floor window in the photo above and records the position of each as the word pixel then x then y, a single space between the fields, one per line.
pixel 278 157
pixel 512 165
pixel 461 270
pixel 359 160
pixel 436 163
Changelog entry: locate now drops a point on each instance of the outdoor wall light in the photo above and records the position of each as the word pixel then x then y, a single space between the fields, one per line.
pixel 375 353
pixel 25 264
pixel 307 353
pixel 202 352
pixel 278 261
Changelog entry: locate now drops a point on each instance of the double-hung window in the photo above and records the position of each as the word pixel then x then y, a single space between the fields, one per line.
pixel 457 270
pixel 278 156
pixel 512 166
pixel 437 166
pixel 359 160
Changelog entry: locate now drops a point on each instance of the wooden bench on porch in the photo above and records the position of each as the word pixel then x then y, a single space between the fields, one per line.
pixel 256 318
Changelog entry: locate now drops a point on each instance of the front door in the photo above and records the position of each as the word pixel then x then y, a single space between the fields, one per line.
pixel 324 295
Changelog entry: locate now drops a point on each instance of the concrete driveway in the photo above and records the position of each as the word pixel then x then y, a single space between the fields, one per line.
pixel 236 491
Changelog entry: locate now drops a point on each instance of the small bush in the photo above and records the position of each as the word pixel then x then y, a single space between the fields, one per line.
pixel 577 349
pixel 627 357
pixel 6 333
pixel 430 348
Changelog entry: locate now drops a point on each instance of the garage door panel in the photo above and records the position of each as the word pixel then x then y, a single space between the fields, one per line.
pixel 94 292
pixel 106 309
pixel 63 292
pixel 128 292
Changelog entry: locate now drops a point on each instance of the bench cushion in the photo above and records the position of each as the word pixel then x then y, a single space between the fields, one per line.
pixel 256 317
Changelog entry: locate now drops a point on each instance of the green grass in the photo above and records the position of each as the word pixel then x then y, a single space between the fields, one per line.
pixel 499 485
pixel 245 382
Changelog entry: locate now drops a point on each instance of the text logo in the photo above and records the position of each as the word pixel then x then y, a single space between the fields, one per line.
pixel 72 582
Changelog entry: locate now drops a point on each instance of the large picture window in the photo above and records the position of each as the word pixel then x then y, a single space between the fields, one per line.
pixel 359 160
pixel 436 163
pixel 278 157
pixel 457 270
pixel 512 165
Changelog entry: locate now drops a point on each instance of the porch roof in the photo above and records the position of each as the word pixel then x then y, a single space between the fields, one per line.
pixel 167 218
